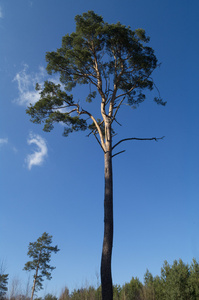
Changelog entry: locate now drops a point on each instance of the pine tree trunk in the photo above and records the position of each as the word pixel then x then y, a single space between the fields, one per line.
pixel 33 289
pixel 34 283
pixel 106 277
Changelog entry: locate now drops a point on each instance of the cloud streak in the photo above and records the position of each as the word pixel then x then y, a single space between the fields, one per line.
pixel 38 156
pixel 1 13
pixel 3 141
pixel 26 85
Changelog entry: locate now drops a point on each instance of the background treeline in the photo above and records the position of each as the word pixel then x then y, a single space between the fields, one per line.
pixel 176 281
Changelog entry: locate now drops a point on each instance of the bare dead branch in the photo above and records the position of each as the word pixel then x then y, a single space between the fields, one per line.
pixel 118 153
pixel 98 141
pixel 97 126
pixel 90 133
pixel 118 122
pixel 138 139
pixel 117 109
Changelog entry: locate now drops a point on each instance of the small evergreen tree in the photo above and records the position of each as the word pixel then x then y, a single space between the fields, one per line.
pixel 176 281
pixel 158 288
pixel 40 252
pixel 132 290
pixel 65 294
pixel 50 297
pixel 117 292
pixel 194 280
pixel 3 285
pixel 149 286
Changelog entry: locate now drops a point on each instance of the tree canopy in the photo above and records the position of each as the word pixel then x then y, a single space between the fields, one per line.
pixel 111 59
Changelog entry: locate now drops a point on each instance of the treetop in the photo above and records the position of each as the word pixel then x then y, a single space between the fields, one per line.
pixel 112 60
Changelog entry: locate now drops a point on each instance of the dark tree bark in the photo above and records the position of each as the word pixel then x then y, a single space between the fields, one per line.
pixel 106 277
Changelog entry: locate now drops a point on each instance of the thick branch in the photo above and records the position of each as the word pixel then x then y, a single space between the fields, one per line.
pixel 117 80
pixel 138 139
pixel 97 126
pixel 98 76
pixel 73 110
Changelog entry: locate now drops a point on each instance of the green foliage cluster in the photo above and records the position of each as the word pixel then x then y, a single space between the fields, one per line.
pixel 178 281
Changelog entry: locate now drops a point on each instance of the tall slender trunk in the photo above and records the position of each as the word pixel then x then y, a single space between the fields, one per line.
pixel 34 283
pixel 106 276
pixel 33 288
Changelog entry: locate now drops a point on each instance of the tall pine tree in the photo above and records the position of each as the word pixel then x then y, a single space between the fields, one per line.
pixel 116 64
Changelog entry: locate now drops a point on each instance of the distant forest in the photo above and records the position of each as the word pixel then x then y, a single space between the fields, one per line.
pixel 177 281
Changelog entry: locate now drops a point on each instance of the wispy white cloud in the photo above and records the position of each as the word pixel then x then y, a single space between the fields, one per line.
pixel 26 85
pixel 3 141
pixel 39 154
pixel 15 150
pixel 1 13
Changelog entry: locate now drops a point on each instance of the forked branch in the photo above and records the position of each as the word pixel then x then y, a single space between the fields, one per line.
pixel 97 126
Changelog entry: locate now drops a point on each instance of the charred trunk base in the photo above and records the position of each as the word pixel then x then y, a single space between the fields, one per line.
pixel 106 281
pixel 106 277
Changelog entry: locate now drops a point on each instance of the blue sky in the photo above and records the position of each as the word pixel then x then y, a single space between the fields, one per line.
pixel 55 184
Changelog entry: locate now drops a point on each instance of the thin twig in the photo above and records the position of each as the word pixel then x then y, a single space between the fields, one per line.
pixel 98 141
pixel 117 109
pixel 118 153
pixel 118 122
